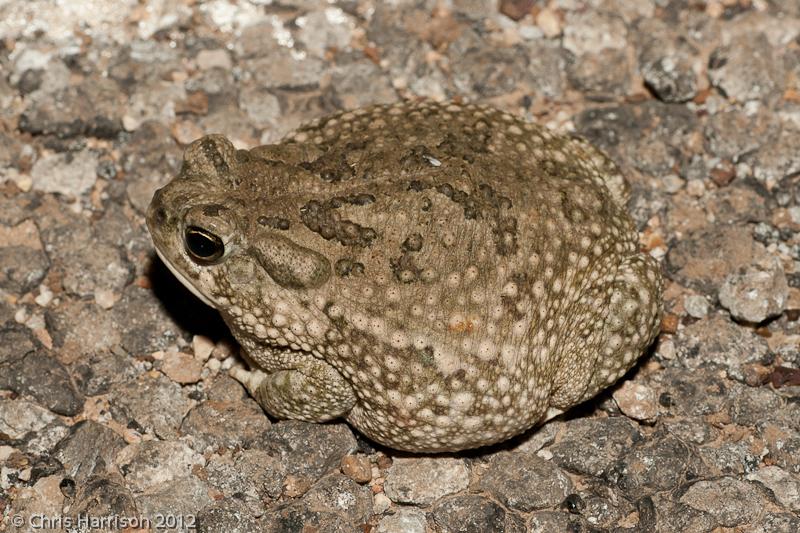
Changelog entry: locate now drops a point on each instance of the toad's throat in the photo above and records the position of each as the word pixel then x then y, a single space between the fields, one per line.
pixel 183 279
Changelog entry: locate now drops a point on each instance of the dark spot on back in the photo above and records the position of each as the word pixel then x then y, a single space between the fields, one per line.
pixel 322 219
pixel 331 167
pixel 405 269
pixel 274 222
pixel 417 186
pixel 346 267
pixel 413 243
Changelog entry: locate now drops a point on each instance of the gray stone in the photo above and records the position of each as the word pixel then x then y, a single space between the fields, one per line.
pixel 404 520
pixel 732 458
pixel 148 159
pixel 144 322
pixel 492 71
pixel 225 389
pixel 696 305
pixel 777 523
pixel 592 446
pixel 716 340
pixel 217 84
pixel 296 516
pixel 151 403
pixel 746 69
pixel 15 343
pixel 103 495
pixel 44 378
pixel 671 515
pixel 668 64
pixel 757 294
pixel 144 60
pixel 731 133
pixel 23 262
pixel 282 68
pixel 336 493
pixel 424 480
pixel 308 450
pixel 589 33
pixel 604 508
pixel 357 82
pixel 651 136
pixel 19 417
pixel 94 374
pixel 321 30
pixel 546 521
pixel 90 108
pixel 67 173
pixel 525 482
pixel 149 465
pixel 604 75
pixel 88 450
pixel 261 106
pixel 253 476
pixel 703 259
pixel 471 513
pixel 178 500
pixel 776 159
pixel 662 462
pixel 226 424
pixel 228 515
pixel 730 501
pixel 93 267
pixel 81 329
pixel 690 430
pixel 693 392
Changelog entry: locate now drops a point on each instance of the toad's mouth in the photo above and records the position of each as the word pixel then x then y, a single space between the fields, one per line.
pixel 183 279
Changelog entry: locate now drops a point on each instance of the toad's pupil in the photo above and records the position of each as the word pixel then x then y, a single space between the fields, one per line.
pixel 203 245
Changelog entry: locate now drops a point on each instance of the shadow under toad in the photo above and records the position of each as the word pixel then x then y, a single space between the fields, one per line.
pixel 184 308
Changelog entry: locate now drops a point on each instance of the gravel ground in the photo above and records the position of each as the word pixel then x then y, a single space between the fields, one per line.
pixel 115 401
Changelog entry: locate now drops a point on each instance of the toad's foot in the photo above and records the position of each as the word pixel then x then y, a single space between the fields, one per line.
pixel 312 391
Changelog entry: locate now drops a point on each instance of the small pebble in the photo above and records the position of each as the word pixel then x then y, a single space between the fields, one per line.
pixel 357 468
pixel 761 292
pixel 696 188
pixel 208 59
pixel 202 347
pixel 696 305
pixel 181 367
pixel 673 183
pixel 105 298
pixel 45 296
pixel 636 401
pixel 380 503
pixel 548 21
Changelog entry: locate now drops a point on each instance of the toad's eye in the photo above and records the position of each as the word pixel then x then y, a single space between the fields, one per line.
pixel 204 247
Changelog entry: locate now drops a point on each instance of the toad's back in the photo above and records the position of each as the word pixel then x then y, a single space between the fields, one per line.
pixel 514 282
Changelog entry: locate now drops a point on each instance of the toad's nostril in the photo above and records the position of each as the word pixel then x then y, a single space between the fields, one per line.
pixel 160 215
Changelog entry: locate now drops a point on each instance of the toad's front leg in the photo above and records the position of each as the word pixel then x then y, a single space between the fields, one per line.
pixel 296 385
